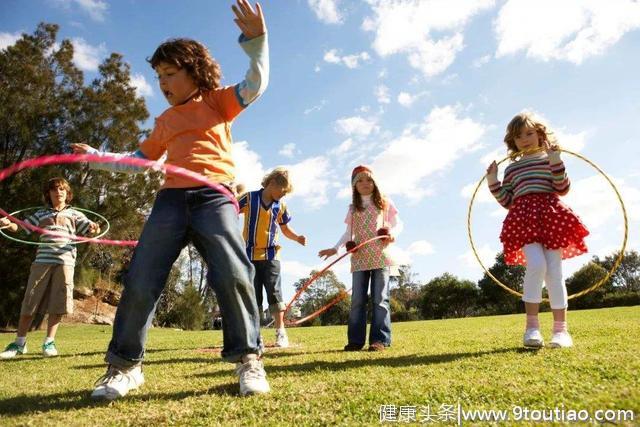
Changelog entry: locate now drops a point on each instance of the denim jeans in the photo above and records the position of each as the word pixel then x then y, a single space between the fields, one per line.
pixel 207 219
pixel 380 330
pixel 268 276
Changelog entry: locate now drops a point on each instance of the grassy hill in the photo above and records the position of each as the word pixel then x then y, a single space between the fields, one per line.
pixel 431 368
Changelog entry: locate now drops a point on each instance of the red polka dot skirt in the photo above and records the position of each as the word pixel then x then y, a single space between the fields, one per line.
pixel 541 218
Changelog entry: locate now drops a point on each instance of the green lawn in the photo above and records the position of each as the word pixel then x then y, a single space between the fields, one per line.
pixel 477 363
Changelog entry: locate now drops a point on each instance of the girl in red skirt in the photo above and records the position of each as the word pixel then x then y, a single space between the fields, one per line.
pixel 539 230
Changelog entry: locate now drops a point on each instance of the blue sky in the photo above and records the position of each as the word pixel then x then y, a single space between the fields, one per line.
pixel 420 90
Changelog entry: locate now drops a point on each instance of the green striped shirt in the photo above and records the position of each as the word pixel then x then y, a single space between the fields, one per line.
pixel 66 221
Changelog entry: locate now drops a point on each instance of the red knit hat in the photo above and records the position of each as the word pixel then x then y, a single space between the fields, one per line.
pixel 360 169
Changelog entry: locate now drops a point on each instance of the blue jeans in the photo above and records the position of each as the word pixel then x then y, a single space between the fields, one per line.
pixel 208 219
pixel 380 330
pixel 268 276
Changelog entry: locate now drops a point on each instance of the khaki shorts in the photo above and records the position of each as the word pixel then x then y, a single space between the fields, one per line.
pixel 49 290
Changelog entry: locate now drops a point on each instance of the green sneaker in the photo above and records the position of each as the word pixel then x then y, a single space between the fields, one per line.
pixel 13 350
pixel 49 349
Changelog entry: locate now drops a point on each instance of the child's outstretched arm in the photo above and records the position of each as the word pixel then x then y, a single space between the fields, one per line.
pixel 254 42
pixel 291 234
pixel 111 167
pixel 502 192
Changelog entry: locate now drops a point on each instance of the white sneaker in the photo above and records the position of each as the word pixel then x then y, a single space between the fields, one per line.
pixel 12 350
pixel 282 340
pixel 533 338
pixel 117 382
pixel 253 378
pixel 561 340
pixel 49 349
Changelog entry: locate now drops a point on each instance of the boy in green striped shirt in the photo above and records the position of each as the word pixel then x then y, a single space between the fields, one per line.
pixel 50 285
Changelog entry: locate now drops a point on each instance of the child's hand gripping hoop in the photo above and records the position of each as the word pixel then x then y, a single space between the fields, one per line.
pixel 342 295
pixel 616 264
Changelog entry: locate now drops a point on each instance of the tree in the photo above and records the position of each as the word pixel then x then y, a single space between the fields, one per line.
pixel 323 290
pixel 447 296
pixel 405 298
pixel 584 278
pixel 44 107
pixel 627 275
pixel 189 311
pixel 493 298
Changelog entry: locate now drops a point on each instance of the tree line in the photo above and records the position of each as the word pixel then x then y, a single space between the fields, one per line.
pixel 448 296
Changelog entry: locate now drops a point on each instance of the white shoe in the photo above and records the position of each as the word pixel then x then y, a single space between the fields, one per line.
pixel 533 338
pixel 118 382
pixel 282 340
pixel 561 340
pixel 13 350
pixel 253 378
pixel 49 349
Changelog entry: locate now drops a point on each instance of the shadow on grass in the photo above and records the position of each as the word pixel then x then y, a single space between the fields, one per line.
pixel 373 360
pixel 29 357
pixel 21 405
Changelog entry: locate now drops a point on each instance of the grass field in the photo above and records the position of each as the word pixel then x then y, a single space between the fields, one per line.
pixel 432 366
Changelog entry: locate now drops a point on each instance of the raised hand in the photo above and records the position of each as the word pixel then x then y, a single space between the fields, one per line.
pixel 553 151
pixel 302 240
pixel 492 172
pixel 250 22
pixel 94 228
pixel 326 253
pixel 80 148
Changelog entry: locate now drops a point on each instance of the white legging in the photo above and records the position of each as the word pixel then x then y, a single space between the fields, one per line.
pixel 544 264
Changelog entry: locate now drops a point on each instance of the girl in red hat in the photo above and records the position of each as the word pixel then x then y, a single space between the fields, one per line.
pixel 539 230
pixel 370 215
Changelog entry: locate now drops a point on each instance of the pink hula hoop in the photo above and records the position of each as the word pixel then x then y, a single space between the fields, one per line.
pixel 58 159
pixel 337 299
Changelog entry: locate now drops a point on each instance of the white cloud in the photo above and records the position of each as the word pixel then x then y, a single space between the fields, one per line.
pixel 249 169
pixel 310 180
pixel 572 142
pixel 429 32
pixel 382 94
pixel 356 126
pixel 96 9
pixel 143 88
pixel 482 196
pixel 343 147
pixel 405 99
pixel 288 150
pixel 85 56
pixel 8 39
pixel 594 200
pixel 316 107
pixel 327 11
pixel 478 63
pixel 350 61
pixel 569 30
pixel 486 253
pixel 432 146
pixel 420 247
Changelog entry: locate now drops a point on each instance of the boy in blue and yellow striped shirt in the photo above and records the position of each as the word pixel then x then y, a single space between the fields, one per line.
pixel 265 212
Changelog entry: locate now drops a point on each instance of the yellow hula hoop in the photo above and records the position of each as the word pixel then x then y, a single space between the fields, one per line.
pixel 616 264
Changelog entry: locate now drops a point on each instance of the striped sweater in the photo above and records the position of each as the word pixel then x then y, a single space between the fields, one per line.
pixel 66 221
pixel 530 175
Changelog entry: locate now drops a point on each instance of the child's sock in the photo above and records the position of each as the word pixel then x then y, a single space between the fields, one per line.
pixel 248 357
pixel 48 340
pixel 559 327
pixel 532 322
pixel 21 341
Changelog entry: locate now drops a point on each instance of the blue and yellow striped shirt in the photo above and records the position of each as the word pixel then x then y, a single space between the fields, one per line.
pixel 261 225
